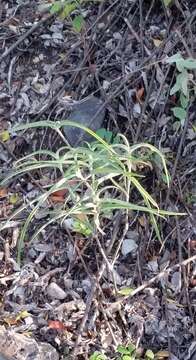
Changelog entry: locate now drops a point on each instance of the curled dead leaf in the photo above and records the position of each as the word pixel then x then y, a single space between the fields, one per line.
pixel 162 355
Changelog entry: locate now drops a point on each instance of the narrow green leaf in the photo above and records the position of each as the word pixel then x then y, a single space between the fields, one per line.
pixel 154 150
pixel 114 204
pixel 78 23
pixel 142 191
pixel 154 223
pixel 55 125
pixel 41 199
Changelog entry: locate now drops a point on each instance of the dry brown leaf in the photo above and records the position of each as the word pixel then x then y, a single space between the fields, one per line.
pixel 157 42
pixel 59 195
pixel 162 354
pixel 57 199
pixel 56 324
pixel 139 94
pixel 193 244
pixel 81 217
pixel 3 192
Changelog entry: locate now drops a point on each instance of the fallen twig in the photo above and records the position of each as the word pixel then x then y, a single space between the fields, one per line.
pixel 151 281
pixel 24 36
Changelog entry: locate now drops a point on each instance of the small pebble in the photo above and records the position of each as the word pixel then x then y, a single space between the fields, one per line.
pixel 55 292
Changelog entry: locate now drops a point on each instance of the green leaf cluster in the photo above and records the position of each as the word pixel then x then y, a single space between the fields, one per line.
pixel 97 356
pixel 67 8
pixel 130 353
pixel 181 85
pixel 126 353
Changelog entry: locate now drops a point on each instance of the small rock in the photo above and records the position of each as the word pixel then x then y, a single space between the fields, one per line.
pixel 21 347
pixel 106 339
pixel 132 235
pixel 68 283
pixel 83 112
pixel 117 36
pixel 68 223
pixel 137 109
pixel 109 44
pixel 43 247
pixel 71 253
pixel 86 285
pixel 55 292
pixel 153 265
pixel 176 282
pixel 132 65
pixel 58 36
pixel 100 26
pixel 106 84
pixel 113 276
pixel 32 253
pixel 56 27
pixel 129 246
pixel 164 260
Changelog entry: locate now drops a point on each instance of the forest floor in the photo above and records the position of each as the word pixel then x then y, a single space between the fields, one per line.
pixel 59 294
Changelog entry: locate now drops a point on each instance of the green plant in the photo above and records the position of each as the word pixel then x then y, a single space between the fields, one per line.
pixel 127 352
pixel 82 228
pixel 130 353
pixel 182 86
pixel 97 356
pixel 167 2
pixel 103 175
pixel 70 9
